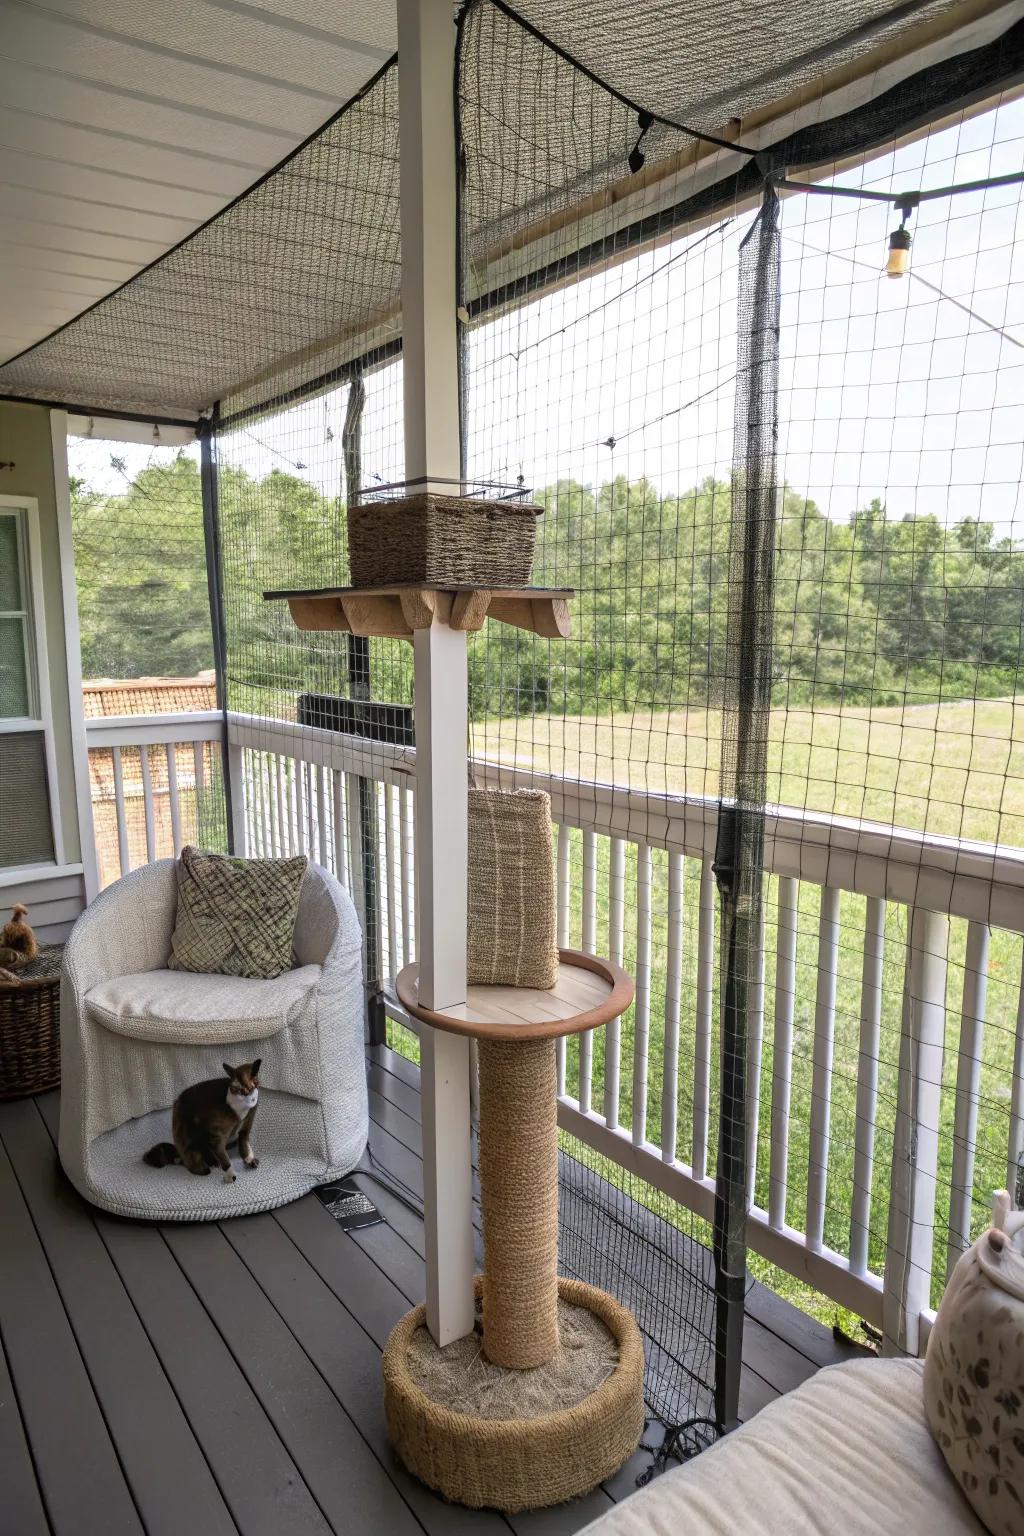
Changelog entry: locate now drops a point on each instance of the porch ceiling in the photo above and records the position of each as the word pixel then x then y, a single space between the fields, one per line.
pixel 126 125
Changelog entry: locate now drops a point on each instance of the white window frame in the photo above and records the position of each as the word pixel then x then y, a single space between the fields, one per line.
pixel 36 660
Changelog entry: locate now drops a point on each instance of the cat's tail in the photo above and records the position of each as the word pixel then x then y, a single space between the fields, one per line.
pixel 162 1155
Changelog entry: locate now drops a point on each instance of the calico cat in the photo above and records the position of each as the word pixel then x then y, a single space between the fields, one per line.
pixel 209 1118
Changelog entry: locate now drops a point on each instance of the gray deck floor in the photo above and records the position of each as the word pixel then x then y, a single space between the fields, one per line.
pixel 208 1379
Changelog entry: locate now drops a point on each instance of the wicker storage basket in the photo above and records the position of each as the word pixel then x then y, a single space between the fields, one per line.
pixel 511 931
pixel 30 1026
pixel 442 541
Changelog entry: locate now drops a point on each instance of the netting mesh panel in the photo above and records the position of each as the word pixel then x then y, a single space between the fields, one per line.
pixel 301 273
pixel 677 61
pixel 895 707
pixel 313 777
pixel 602 386
pixel 835 636
pixel 147 646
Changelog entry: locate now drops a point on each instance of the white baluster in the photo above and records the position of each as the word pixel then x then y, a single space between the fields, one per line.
pixel 755 1042
pixel 867 1082
pixel 562 884
pixel 702 1023
pixel 123 855
pixel 148 807
pixel 616 942
pixel 586 1039
pixel 821 1084
pixel 172 797
pixel 782 1052
pixel 673 997
pixel 968 1083
pixel 642 1009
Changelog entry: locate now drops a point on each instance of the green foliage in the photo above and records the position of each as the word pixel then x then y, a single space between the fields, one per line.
pixel 140 565
pixel 872 612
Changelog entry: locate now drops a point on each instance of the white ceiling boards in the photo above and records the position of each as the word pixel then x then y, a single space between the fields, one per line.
pixel 130 130
pixel 124 124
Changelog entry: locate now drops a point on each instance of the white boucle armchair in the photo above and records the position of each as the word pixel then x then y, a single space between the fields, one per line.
pixel 134 1034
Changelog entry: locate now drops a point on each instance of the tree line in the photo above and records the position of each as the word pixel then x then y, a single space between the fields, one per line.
pixel 874 611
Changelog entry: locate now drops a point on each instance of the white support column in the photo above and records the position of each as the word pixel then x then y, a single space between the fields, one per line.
pixel 915 1156
pixel 430 376
pixel 441 810
pixel 73 645
pixel 426 52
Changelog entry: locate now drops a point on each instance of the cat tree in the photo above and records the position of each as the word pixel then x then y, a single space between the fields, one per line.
pixel 534 1455
pixel 540 1452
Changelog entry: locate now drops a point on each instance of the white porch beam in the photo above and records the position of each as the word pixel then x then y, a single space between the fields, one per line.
pixel 426 63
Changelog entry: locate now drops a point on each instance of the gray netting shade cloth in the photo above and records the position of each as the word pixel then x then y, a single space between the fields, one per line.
pixel 278 288
pixel 301 275
pixel 705 65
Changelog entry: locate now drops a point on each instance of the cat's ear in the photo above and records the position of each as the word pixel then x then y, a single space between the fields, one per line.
pixel 229 1070
pixel 255 1068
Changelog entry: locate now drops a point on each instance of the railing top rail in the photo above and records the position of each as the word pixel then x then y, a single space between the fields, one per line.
pixel 980 881
pixel 152 730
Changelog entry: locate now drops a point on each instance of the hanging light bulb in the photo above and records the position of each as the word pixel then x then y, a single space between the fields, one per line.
pixel 899 242
pixel 899 252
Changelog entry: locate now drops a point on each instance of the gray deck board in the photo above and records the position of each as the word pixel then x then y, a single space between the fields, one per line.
pixel 352 1488
pixel 166 1470
pixel 259 1481
pixel 347 1356
pixel 226 1377
pixel 84 1488
pixel 22 1502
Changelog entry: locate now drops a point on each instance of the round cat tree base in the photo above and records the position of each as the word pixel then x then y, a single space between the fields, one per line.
pixel 519 1463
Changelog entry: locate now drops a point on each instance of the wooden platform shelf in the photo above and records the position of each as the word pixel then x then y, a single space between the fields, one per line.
pixel 397 611
pixel 589 992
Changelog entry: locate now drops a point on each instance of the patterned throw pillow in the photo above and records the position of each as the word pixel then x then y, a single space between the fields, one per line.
pixel 974 1376
pixel 236 917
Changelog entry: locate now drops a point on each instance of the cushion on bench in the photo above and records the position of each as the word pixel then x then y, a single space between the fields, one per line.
pixel 183 1007
pixel 849 1453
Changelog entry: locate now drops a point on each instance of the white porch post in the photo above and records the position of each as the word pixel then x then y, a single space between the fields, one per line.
pixel 426 52
pixel 915 1154
pixel 73 643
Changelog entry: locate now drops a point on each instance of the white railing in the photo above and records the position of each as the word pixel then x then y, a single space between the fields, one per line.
pixel 634 878
pixel 151 778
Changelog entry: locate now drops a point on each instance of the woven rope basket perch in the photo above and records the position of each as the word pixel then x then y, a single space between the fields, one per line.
pixel 514 1464
pixel 458 541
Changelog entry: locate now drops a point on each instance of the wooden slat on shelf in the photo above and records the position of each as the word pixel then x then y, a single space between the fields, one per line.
pixel 398 611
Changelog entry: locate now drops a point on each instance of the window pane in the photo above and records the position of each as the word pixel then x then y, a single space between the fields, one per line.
pixel 13 678
pixel 25 833
pixel 10 573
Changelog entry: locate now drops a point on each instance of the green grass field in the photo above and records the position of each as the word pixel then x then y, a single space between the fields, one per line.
pixel 955 769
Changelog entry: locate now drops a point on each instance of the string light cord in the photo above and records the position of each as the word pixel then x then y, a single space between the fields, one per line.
pixel 902 200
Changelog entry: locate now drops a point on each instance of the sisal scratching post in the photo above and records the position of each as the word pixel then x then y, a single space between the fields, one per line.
pixel 546 1400
pixel 519 1200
